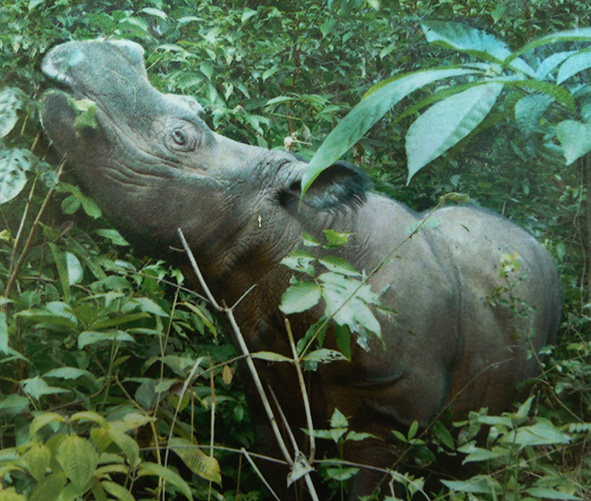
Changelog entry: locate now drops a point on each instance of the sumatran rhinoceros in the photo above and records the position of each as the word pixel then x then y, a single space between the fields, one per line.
pixel 154 166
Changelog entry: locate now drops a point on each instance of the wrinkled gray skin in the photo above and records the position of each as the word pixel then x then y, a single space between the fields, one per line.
pixel 154 166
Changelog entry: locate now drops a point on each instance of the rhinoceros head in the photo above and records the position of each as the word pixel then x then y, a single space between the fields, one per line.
pixel 153 165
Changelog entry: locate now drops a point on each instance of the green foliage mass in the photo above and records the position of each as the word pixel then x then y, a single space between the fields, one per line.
pixel 108 362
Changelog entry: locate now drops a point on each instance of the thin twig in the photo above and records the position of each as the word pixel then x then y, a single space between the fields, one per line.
pixel 258 472
pixel 303 391
pixel 250 364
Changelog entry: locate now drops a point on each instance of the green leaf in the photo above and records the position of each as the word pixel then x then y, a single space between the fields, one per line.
pixel 551 62
pixel 562 95
pixel 37 459
pixel 310 241
pixel 247 14
pixel 270 356
pixel 49 488
pixel 44 419
pixel 347 301
pixel 575 139
pixel 524 408
pixel 35 3
pixel 338 420
pixel 443 435
pixel 71 204
pixel 13 405
pixel 10 494
pixel 576 35
pixel 128 445
pixel 299 297
pixel 475 42
pixel 93 417
pixel 545 493
pixel 3 334
pixel 477 454
pixel 342 473
pixel 54 313
pixel 575 64
pixel 541 433
pixel 117 491
pixel 339 265
pixel 476 485
pixel 343 338
pixel 62 269
pixel 379 99
pixel 69 373
pixel 85 111
pixel 14 164
pixel 196 460
pixel 10 103
pixel 446 123
pixel 154 12
pixel 113 235
pixel 87 338
pixel 149 306
pixel 301 261
pixel 530 110
pixel 37 387
pixel 79 459
pixel 166 474
pixel 323 356
pixel 336 238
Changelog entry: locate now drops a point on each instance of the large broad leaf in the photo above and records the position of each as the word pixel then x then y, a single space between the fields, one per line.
pixel 14 163
pixel 472 41
pixel 381 98
pixel 54 313
pixel 49 488
pixel 10 103
pixel 573 65
pixel 575 138
pixel 446 123
pixel 78 458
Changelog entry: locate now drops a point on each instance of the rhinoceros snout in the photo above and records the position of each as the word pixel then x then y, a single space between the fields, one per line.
pixel 60 60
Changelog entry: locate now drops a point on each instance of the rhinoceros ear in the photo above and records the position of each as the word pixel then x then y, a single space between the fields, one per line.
pixel 341 185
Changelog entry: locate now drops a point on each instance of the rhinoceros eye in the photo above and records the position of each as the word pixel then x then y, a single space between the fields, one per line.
pixel 182 138
pixel 179 137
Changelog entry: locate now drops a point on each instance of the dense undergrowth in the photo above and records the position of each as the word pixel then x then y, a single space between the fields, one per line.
pixel 112 372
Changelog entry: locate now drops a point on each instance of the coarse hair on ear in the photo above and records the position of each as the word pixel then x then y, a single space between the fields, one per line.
pixel 339 186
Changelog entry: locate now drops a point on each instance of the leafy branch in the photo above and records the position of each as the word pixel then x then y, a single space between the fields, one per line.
pixel 474 89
